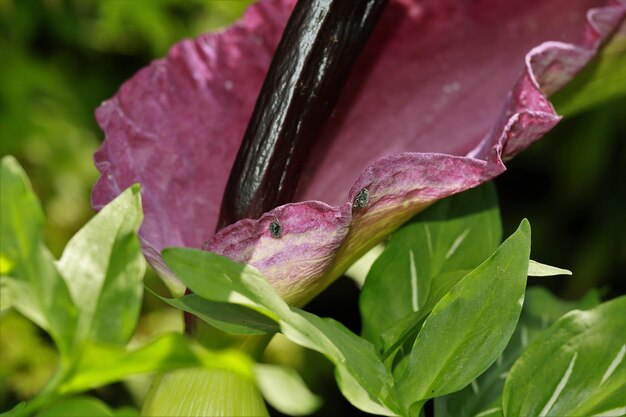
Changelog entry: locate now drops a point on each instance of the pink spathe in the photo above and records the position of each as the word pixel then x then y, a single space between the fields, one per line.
pixel 444 92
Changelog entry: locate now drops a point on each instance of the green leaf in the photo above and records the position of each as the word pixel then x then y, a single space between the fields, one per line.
pixel 15 411
pixel 577 367
pixel 126 412
pixel 21 295
pixel 228 317
pixel 536 269
pixel 29 263
pixel 600 81
pixel 217 278
pixel 103 267
pixel 83 406
pixel 285 390
pixel 471 325
pixel 77 407
pixel 540 310
pixel 405 329
pixel 457 233
pixel 100 365
pixel 203 392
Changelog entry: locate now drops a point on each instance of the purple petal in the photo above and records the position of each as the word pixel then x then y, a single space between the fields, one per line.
pixel 444 92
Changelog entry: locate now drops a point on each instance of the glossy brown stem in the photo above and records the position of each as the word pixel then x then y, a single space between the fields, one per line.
pixel 318 49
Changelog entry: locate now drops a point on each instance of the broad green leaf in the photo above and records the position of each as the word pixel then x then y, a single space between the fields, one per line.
pixel 217 278
pixel 228 317
pixel 203 392
pixel 100 365
pixel 285 390
pixel 540 310
pixel 600 81
pixel 471 325
pixel 536 269
pixel 575 368
pixel 103 267
pixel 21 230
pixel 456 233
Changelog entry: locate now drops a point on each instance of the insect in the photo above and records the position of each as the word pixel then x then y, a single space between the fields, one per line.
pixel 276 229
pixel 361 199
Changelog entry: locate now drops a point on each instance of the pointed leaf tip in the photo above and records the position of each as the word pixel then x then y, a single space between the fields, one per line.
pixel 537 269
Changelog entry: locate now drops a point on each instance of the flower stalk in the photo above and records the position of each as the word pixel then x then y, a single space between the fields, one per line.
pixel 317 51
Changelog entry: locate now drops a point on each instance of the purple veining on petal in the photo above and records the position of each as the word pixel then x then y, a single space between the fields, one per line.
pixel 444 92
pixel 312 230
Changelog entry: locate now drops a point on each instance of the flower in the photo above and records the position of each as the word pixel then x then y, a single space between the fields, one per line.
pixel 443 93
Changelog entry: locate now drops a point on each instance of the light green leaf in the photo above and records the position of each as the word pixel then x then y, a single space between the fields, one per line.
pixel 600 81
pixel 21 230
pixel 285 390
pixel 204 392
pixel 353 356
pixel 359 270
pixel 356 394
pixel 217 278
pixel 540 310
pixel 536 269
pixel 77 407
pixel 228 317
pixel 100 365
pixel 577 367
pixel 83 406
pixel 457 233
pixel 103 267
pixel 21 295
pixel 471 325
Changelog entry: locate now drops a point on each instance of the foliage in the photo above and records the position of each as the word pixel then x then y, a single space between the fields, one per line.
pixel 460 333
pixel 580 364
pixel 452 320
pixel 89 300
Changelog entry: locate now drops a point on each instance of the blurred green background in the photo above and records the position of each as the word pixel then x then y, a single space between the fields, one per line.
pixel 61 58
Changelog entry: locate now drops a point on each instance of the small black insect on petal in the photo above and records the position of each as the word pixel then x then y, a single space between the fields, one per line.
pixel 276 229
pixel 361 199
